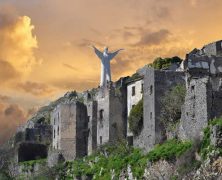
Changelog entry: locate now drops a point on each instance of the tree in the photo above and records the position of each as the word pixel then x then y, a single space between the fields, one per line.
pixel 136 118
pixel 171 105
pixel 164 63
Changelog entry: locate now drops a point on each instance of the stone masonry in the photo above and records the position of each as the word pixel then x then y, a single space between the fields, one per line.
pixel 156 83
pixel 70 129
pixel 80 123
pixel 111 114
pixel 203 70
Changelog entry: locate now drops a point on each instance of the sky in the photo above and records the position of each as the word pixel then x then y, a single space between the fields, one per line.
pixel 44 44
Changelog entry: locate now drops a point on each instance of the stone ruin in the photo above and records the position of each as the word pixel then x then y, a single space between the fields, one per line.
pixel 81 122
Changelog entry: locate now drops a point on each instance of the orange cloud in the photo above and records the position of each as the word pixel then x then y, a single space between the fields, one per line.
pixel 17 42
pixel 11 117
pixel 36 89
pixel 4 98
pixel 7 72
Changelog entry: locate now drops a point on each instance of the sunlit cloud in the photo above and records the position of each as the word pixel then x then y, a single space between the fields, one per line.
pixel 17 43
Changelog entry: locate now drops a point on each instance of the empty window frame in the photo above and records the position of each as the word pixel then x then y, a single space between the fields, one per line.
pixel 151 89
pixel 133 91
pixel 142 88
pixel 151 115
pixel 101 139
pixel 101 114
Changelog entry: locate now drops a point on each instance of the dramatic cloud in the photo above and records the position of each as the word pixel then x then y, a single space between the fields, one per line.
pixel 146 29
pixel 4 98
pixel 36 89
pixel 86 43
pixel 7 72
pixel 17 43
pixel 154 38
pixel 11 117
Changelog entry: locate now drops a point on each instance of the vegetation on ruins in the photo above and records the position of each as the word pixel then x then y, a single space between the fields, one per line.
pixel 112 160
pixel 171 105
pixel 136 118
pixel 134 77
pixel 164 63
pixel 206 146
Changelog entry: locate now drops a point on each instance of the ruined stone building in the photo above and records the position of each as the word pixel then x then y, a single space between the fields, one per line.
pixel 111 115
pixel 93 118
pixel 70 129
pixel 203 69
pixel 155 84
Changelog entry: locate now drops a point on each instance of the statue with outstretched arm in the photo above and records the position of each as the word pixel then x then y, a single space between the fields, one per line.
pixel 105 58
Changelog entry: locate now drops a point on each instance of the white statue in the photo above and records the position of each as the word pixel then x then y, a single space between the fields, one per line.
pixel 105 58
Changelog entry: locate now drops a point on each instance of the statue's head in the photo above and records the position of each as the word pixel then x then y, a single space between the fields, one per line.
pixel 106 49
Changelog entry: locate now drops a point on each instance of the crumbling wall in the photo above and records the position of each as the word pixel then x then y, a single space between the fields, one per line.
pixel 69 122
pixel 156 84
pixel 146 138
pixel 81 130
pixel 92 126
pixel 204 93
pixel 118 115
pixel 112 112
pixel 214 48
pixel 195 111
pixel 103 115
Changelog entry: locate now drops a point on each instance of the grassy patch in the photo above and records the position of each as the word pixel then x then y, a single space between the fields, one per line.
pixel 112 159
pixel 206 146
pixel 169 150
pixel 33 162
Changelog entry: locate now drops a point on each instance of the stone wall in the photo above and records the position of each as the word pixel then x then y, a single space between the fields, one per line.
pixel 39 133
pixel 204 92
pixel 118 115
pixel 195 112
pixel 213 48
pixel 111 113
pixel 70 129
pixel 103 116
pixel 156 84
pixel 81 129
pixel 92 126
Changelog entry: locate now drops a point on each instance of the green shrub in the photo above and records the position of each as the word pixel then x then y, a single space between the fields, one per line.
pixel 133 77
pixel 169 150
pixel 136 118
pixel 164 63
pixel 171 105
pixel 206 147
pixel 117 157
pixel 4 176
